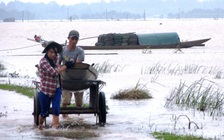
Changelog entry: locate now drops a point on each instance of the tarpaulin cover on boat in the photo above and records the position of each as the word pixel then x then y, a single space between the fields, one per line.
pixel 158 38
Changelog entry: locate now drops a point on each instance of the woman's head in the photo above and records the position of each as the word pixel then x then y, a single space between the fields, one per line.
pixel 52 48
pixel 53 45
pixel 51 53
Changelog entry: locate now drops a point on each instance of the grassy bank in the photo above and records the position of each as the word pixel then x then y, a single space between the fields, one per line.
pixel 172 136
pixel 27 91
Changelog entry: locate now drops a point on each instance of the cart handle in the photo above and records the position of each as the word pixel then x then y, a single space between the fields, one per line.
pixel 37 84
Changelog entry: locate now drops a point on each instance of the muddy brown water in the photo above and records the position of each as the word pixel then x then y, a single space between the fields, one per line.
pixel 16 122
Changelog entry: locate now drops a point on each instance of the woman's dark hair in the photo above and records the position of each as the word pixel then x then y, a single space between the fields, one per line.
pixel 52 63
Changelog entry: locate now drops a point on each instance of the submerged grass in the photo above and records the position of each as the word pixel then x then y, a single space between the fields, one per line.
pixel 135 93
pixel 2 67
pixel 106 67
pixel 199 95
pixel 177 69
pixel 28 91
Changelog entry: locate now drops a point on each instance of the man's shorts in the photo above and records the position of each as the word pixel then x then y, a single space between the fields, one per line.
pixel 66 98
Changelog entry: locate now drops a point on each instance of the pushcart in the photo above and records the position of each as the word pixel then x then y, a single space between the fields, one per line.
pixel 87 80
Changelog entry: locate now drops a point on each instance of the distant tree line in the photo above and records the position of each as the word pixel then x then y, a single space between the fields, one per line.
pixel 119 10
pixel 110 15
pixel 19 15
pixel 199 13
pixel 54 11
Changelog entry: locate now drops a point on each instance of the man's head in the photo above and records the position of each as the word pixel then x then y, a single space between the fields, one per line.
pixel 73 34
pixel 73 38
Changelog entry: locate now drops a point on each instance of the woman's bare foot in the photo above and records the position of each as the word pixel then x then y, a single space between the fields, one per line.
pixel 64 116
pixel 40 127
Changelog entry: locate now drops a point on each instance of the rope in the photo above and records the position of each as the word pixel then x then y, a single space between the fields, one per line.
pixel 85 54
pixel 39 44
pixel 88 37
pixel 19 48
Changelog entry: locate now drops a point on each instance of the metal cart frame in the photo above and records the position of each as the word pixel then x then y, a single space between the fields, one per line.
pixel 97 102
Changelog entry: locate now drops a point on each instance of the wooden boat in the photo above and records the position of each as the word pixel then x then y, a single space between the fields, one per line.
pixel 139 41
pixel 142 41
pixel 79 77
pixel 10 19
pixel 186 44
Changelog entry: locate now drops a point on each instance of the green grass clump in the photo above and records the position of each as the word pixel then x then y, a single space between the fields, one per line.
pixel 172 136
pixel 201 95
pixel 132 94
pixel 28 91
pixel 135 93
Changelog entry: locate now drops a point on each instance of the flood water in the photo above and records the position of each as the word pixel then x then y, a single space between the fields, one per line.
pixel 17 122
pixel 132 120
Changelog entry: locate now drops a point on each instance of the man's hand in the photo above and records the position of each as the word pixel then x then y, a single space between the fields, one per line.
pixel 69 64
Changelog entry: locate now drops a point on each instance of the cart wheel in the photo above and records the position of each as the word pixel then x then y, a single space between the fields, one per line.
pixel 36 105
pixel 102 108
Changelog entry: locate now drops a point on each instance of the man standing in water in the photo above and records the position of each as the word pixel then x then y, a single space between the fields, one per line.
pixel 74 53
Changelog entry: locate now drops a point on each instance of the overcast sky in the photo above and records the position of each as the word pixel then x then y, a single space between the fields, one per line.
pixel 66 2
pixel 60 2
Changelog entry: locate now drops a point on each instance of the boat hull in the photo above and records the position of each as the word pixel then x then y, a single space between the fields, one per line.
pixel 186 44
pixel 10 19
